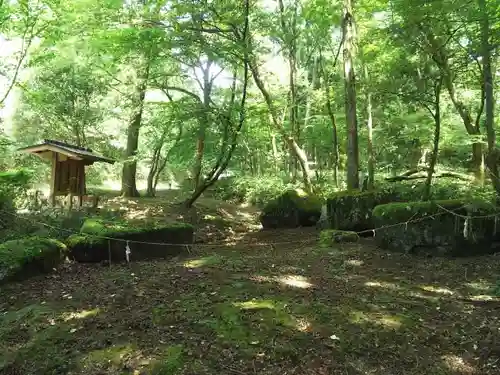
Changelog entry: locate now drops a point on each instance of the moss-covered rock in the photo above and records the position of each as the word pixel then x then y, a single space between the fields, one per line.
pixel 352 210
pixel 98 239
pixel 449 228
pixel 292 209
pixel 22 258
pixel 330 237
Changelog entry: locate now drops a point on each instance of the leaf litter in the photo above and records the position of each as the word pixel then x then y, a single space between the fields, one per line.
pixel 289 309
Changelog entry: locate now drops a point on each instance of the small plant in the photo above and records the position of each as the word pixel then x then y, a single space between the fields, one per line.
pixel 496 289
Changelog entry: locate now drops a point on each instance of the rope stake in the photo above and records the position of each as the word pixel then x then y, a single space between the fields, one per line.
pixel 127 252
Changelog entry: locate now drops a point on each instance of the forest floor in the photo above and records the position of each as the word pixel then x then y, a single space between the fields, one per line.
pixel 243 307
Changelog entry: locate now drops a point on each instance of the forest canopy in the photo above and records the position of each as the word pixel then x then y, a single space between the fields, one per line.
pixel 326 95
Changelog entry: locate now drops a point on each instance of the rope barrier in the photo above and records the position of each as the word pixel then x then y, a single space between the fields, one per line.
pixel 229 243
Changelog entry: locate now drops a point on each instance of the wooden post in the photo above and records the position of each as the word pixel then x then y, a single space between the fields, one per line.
pixel 53 179
pixel 70 201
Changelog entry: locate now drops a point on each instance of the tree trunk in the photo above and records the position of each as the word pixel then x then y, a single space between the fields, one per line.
pixel 129 187
pixel 350 96
pixel 489 97
pixel 440 56
pixel 369 128
pixel 150 190
pixel 290 141
pixel 226 155
pixel 203 125
pixel 435 149
pixel 331 114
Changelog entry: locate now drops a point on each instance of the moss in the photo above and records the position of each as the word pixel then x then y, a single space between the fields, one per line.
pixel 294 198
pixel 330 237
pixel 36 254
pixel 394 212
pixel 448 227
pixel 292 209
pixel 106 228
pixel 99 239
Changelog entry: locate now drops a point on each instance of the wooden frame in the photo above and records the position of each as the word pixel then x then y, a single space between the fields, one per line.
pixel 67 167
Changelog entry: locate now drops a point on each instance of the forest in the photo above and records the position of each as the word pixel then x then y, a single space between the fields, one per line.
pixel 262 187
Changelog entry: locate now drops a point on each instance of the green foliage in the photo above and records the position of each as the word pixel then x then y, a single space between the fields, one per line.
pixel 14 185
pixel 39 254
pixel 257 191
pixel 172 362
pixel 442 189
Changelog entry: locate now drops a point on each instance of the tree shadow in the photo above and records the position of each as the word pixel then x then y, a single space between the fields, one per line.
pixel 290 308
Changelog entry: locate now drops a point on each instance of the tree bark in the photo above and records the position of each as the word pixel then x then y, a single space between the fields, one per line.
pixel 203 125
pixel 226 155
pixel 369 127
pixel 437 132
pixel 489 97
pixel 290 141
pixel 289 39
pixel 350 96
pixel 129 186
pixel 440 57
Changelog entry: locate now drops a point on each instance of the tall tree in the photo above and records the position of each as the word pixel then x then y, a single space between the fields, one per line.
pixel 489 97
pixel 349 32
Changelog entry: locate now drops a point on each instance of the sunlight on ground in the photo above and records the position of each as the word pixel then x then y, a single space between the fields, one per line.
pixel 303 325
pixel 480 285
pixel 382 284
pixel 81 314
pixel 295 281
pixel 431 288
pixel 112 355
pixel 386 320
pixel 200 262
pixel 256 304
pixel 455 363
pixel 422 296
pixel 354 262
pixel 483 297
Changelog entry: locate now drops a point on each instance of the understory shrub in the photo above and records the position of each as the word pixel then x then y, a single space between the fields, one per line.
pixel 29 256
pixel 253 190
pixel 442 189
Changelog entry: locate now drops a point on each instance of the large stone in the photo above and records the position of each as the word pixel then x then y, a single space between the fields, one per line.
pixel 449 228
pixel 292 209
pixel 29 256
pixel 99 239
pixel 352 210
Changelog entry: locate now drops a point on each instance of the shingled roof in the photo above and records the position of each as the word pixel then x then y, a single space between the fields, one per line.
pixel 71 151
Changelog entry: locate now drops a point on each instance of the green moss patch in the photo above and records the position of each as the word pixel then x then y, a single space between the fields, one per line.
pixel 292 209
pixel 331 237
pixel 99 240
pixel 29 256
pixel 450 227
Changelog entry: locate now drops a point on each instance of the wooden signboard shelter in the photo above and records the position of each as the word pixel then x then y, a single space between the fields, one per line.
pixel 68 166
